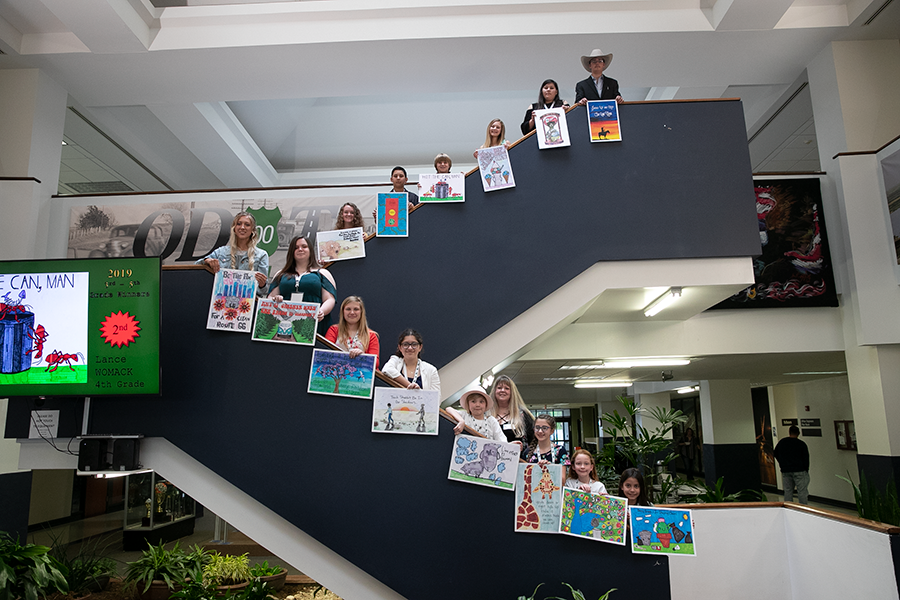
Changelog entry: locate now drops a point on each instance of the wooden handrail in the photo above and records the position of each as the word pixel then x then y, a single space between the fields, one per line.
pixel 819 512
pixel 858 152
pixel 35 179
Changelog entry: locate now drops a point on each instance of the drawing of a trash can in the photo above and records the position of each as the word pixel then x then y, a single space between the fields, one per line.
pixel 441 189
pixel 15 343
pixel 552 134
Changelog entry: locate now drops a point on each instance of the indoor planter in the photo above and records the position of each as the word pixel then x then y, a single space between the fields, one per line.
pixel 158 572
pixel 28 571
pixel 228 573
pixel 274 576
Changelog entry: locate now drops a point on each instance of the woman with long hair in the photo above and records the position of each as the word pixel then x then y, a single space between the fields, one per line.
pixel 548 97
pixel 543 450
pixel 516 421
pixel 241 252
pixel 406 366
pixel 348 217
pixel 301 274
pixel 352 332
pixel 494 136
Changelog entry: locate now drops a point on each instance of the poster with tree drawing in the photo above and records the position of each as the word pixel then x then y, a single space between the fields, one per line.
pixel 552 129
pixel 593 516
pixel 657 530
pixel 484 462
pixel 396 410
pixel 495 169
pixel 231 305
pixel 538 497
pixel 336 374
pixel 285 322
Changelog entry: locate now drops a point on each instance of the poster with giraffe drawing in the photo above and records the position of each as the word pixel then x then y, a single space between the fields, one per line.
pixel 484 462
pixel 538 497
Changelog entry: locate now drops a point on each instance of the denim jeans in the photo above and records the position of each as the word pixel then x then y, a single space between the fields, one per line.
pixel 799 479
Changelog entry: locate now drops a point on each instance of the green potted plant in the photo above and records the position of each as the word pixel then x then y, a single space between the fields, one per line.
pixel 274 576
pixel 88 567
pixel 229 573
pixel 158 572
pixel 28 571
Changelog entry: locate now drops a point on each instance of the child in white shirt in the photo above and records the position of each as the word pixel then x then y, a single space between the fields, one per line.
pixel 477 403
pixel 582 474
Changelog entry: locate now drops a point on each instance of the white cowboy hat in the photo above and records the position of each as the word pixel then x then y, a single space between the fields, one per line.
pixel 475 389
pixel 586 60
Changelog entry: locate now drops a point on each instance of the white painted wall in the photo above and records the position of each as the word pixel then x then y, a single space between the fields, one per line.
pixel 829 401
pixel 9 449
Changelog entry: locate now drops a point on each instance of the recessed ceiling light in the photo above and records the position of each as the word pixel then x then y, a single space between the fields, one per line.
pixel 627 363
pixel 603 384
pixel 817 373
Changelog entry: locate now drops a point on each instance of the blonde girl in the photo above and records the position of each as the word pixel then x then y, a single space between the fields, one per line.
pixel 241 252
pixel 583 473
pixel 352 332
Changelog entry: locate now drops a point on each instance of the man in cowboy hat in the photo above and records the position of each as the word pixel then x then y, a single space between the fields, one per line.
pixel 597 87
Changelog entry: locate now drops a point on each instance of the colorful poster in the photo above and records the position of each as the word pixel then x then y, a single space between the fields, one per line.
pixel 397 410
pixel 231 306
pixel 795 267
pixel 662 531
pixel 285 322
pixel 603 121
pixel 336 374
pixel 392 215
pixel 539 497
pixel 496 172
pixel 484 462
pixel 442 187
pixel 340 244
pixel 552 129
pixel 593 516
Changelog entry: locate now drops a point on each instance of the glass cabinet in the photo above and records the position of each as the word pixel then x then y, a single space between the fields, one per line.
pixel 155 510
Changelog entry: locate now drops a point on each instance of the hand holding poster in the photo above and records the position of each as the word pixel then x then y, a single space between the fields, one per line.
pixel 340 244
pixel 442 187
pixel 593 516
pixel 552 129
pixel 483 462
pixel 539 497
pixel 405 411
pixel 603 121
pixel 285 322
pixel 662 531
pixel 496 172
pixel 231 306
pixel 391 218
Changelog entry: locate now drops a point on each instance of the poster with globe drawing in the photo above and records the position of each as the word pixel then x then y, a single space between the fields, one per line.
pixel 656 530
pixel 494 168
pixel 231 305
pixel 285 322
pixel 396 410
pixel 552 130
pixel 593 516
pixel 484 462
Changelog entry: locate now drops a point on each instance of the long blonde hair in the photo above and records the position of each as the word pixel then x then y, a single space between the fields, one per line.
pixel 487 136
pixel 516 405
pixel 254 239
pixel 344 334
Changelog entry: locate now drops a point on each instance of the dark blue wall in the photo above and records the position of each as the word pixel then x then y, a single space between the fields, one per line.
pixel 679 186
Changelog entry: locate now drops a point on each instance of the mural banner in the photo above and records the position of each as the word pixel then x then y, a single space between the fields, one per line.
pixel 231 305
pixel 285 322
pixel 405 411
pixel 657 530
pixel 483 462
pixel 539 497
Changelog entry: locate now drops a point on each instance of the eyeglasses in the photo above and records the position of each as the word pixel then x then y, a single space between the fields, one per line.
pixel 597 60
pixel 542 428
pixel 409 345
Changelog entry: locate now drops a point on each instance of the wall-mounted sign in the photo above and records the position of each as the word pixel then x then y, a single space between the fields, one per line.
pixel 788 422
pixel 810 422
pixel 812 432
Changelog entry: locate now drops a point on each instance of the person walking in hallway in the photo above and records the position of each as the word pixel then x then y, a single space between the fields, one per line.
pixel 793 459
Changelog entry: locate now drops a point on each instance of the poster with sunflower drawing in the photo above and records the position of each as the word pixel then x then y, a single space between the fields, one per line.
pixel 231 305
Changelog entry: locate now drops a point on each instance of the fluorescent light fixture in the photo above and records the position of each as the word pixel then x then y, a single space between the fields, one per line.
pixel 628 363
pixel 817 373
pixel 671 295
pixel 603 384
pixel 688 389
pixel 593 366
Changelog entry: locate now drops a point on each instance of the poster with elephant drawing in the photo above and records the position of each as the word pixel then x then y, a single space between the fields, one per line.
pixel 662 531
pixel 397 410
pixel 538 497
pixel 593 516
pixel 484 462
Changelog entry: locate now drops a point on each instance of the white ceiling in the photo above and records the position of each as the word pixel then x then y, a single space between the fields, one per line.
pixel 211 95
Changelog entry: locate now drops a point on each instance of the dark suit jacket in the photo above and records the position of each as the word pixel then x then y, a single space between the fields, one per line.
pixel 536 106
pixel 587 89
